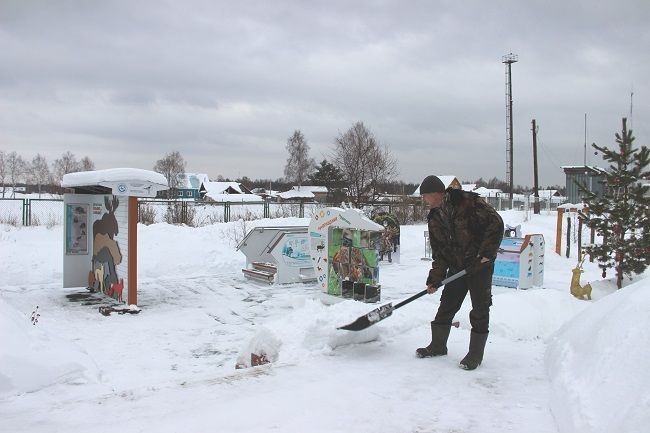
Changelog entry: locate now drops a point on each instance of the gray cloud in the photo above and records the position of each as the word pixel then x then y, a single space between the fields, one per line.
pixel 226 84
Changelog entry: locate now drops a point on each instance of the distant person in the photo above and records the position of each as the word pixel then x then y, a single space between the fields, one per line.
pixel 465 233
pixel 386 244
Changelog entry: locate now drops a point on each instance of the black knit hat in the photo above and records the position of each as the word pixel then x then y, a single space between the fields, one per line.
pixel 431 184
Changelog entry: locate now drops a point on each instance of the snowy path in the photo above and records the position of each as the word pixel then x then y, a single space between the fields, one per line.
pixel 198 334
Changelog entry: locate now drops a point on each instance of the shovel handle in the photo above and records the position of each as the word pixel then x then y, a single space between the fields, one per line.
pixel 412 298
pixel 424 292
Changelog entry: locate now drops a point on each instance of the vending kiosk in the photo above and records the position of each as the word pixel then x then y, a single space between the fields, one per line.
pixel 520 262
pixel 344 246
pixel 277 255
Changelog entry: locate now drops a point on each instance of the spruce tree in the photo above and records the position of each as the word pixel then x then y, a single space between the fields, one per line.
pixel 621 216
pixel 329 176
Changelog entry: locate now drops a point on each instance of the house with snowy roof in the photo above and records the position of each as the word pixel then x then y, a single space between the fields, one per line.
pixel 228 192
pixel 552 195
pixel 265 193
pixel 190 185
pixel 320 192
pixel 487 192
pixel 298 193
pixel 468 186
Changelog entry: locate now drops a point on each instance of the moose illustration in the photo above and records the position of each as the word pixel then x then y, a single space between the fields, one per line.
pixel 106 250
pixel 578 290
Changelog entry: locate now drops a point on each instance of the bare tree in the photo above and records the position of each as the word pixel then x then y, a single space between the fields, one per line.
pixel 87 164
pixel 38 172
pixel 363 163
pixel 172 166
pixel 15 170
pixel 66 164
pixel 299 165
pixel 3 171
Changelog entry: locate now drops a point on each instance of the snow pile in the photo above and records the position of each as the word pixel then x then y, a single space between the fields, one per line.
pixel 310 329
pixel 598 364
pixel 307 329
pixel 31 358
pixel 262 348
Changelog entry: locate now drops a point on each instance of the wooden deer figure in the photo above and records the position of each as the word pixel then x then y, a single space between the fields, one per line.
pixel 99 276
pixel 578 290
pixel 116 289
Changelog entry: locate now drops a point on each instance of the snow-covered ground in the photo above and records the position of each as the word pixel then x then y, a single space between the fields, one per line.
pixel 553 363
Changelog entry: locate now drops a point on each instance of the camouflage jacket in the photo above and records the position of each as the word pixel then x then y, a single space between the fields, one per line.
pixel 463 228
pixel 386 240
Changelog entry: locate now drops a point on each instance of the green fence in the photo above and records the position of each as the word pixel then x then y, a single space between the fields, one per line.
pixel 49 212
pixel 31 211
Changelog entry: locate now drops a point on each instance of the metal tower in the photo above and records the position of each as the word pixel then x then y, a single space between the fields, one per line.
pixel 509 59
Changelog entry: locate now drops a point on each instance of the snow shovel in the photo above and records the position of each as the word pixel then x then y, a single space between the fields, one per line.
pixel 384 311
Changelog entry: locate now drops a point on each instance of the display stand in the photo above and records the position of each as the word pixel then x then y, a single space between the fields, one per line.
pixel 344 246
pixel 277 255
pixel 100 229
pixel 520 262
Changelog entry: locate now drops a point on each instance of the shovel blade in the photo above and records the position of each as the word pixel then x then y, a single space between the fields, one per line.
pixel 369 319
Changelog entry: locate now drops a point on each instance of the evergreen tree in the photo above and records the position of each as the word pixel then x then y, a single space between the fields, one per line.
pixel 325 173
pixel 328 175
pixel 621 216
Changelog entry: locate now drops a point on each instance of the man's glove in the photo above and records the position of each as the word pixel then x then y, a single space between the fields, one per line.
pixel 433 279
pixel 476 264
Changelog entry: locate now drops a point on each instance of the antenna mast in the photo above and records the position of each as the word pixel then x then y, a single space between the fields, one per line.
pixel 509 59
pixel 585 155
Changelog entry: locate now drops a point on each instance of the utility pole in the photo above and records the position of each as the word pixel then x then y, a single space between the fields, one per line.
pixel 535 178
pixel 509 59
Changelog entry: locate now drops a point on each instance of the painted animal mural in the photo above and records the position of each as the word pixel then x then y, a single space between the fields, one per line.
pixel 106 252
pixel 115 291
pixel 99 276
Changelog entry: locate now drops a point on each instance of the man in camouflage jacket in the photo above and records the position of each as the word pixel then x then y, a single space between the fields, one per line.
pixel 465 233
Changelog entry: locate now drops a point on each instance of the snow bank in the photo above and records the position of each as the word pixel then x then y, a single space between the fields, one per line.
pixel 598 365
pixel 31 359
pixel 529 314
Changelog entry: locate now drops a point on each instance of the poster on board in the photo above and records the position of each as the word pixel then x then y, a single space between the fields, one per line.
pixel 76 236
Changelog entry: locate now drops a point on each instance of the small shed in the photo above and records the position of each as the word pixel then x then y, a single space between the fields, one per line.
pixel 593 178
pixel 100 228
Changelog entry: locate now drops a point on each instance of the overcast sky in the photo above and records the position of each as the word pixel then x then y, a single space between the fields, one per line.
pixel 226 83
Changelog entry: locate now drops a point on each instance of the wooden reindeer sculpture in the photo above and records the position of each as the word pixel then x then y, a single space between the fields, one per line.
pixel 578 290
